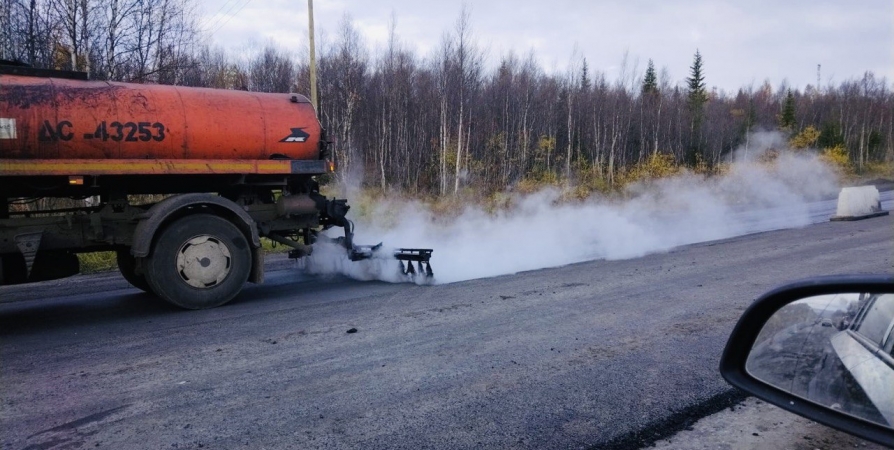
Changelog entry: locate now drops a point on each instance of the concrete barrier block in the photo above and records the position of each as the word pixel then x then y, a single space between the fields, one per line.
pixel 856 203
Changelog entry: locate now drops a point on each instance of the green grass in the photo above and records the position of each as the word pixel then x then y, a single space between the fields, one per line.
pixel 97 262
pixel 273 247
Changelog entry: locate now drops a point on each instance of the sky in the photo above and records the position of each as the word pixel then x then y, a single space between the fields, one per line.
pixel 743 43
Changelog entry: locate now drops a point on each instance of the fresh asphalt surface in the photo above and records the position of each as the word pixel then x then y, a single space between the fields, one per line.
pixel 602 354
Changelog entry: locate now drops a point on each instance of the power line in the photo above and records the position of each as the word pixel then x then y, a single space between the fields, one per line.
pixel 230 17
pixel 222 15
pixel 216 17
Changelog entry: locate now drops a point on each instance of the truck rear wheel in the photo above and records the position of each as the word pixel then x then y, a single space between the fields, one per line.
pixel 199 261
pixel 127 265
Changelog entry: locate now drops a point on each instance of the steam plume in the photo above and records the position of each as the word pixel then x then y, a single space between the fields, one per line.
pixel 655 216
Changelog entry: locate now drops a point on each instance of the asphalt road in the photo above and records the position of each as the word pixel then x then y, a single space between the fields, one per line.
pixel 603 354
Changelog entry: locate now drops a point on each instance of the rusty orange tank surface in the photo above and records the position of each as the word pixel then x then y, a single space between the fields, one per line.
pixel 61 119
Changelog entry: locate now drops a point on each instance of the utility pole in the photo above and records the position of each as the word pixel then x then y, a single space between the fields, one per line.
pixel 313 56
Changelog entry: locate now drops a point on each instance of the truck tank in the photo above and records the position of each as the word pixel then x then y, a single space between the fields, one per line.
pixel 55 118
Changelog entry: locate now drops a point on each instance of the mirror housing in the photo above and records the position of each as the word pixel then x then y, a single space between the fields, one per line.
pixel 742 340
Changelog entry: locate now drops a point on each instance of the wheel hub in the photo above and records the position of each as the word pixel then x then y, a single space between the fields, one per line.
pixel 203 261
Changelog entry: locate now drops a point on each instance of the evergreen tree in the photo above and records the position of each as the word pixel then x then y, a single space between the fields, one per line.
pixel 787 118
pixel 585 82
pixel 830 136
pixel 650 81
pixel 697 97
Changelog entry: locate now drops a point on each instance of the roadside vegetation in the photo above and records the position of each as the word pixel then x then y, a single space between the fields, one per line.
pixel 455 127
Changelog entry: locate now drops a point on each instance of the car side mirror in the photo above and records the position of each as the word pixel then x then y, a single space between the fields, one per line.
pixel 824 349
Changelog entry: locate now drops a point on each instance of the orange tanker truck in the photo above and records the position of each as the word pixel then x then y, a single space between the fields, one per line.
pixel 231 167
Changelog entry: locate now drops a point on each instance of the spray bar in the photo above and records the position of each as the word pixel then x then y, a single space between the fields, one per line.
pixel 421 256
pixel 333 214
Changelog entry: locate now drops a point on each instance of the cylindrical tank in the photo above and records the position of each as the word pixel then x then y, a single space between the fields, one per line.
pixel 54 118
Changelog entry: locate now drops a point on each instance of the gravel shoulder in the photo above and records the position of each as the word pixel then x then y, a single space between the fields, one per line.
pixel 754 425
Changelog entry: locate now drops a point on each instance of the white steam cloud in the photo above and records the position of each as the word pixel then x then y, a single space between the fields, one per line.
pixel 540 232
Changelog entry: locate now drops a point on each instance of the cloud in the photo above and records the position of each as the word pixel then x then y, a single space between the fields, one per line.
pixel 740 41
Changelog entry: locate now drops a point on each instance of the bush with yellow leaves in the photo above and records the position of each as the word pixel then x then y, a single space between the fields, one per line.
pixel 805 139
pixel 837 156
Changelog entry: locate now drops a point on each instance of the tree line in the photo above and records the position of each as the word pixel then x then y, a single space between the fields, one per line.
pixel 453 119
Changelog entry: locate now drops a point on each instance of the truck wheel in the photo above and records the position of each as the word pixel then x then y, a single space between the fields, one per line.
pixel 127 265
pixel 199 261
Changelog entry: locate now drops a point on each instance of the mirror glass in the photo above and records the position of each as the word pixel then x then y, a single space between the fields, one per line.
pixel 833 350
